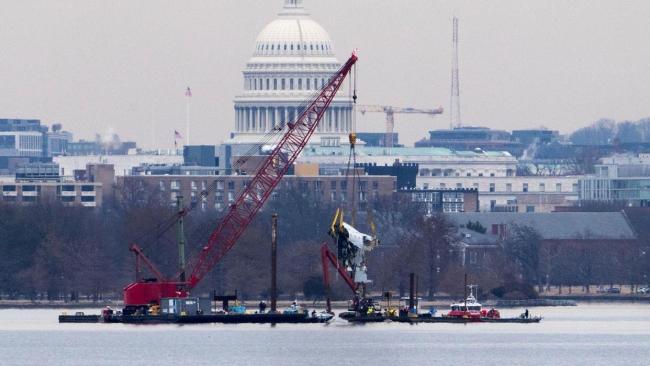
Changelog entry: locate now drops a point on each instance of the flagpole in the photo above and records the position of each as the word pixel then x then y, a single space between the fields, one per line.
pixel 153 129
pixel 188 98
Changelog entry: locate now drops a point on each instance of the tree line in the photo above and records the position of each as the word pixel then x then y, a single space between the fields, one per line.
pixel 54 252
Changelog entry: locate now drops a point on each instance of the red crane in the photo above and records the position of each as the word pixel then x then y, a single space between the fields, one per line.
pixel 244 209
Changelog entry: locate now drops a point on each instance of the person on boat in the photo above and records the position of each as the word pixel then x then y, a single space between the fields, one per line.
pixel 526 314
pixel 262 306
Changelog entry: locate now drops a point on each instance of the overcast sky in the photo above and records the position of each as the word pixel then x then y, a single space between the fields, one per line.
pixel 123 65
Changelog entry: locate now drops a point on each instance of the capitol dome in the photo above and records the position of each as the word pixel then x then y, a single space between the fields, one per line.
pixel 296 36
pixel 293 57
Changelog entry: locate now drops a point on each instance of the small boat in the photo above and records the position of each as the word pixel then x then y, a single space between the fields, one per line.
pixel 470 309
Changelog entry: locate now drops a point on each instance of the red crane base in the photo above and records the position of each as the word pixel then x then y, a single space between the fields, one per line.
pixel 147 293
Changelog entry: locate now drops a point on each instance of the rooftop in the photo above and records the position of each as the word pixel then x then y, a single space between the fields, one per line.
pixel 558 225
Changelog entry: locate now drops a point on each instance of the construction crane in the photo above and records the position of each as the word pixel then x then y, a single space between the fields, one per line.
pixel 390 117
pixel 144 293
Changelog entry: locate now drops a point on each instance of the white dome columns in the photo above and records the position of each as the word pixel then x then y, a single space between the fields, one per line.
pixel 262 118
pixel 292 60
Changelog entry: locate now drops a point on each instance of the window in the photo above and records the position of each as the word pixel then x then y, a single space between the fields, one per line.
pixel 480 174
pixel 542 187
pixel 268 81
pixel 67 198
pixel 508 187
pixel 333 196
pixel 492 187
pixel 283 84
pixel 362 196
pixel 87 198
pixel 459 185
pixel 315 83
pixel 308 84
pixel 469 174
pixel 67 188
pixel 473 257
pixel 231 185
pixel 491 174
pixel 299 84
pixel 84 188
pixel 30 188
pixel 443 185
pixel 175 185
pixel 231 196
pixel 344 196
pixel 193 185
pixel 525 187
pixel 530 208
pixel 290 84
pixel 161 185
pixel 344 184
pixel 275 84
pixel 558 187
pixel 574 188
pixel 375 184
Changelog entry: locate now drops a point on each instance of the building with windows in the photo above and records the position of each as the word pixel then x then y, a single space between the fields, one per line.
pixel 622 178
pixel 512 194
pixel 444 200
pixel 471 138
pixel 217 192
pixel 431 161
pixel 41 182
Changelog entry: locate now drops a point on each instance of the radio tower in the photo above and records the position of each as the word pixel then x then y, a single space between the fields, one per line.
pixel 454 107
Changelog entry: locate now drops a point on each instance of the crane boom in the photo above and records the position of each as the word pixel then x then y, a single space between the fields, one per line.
pixel 252 197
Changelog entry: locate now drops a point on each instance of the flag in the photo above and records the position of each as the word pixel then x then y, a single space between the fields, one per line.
pixel 188 92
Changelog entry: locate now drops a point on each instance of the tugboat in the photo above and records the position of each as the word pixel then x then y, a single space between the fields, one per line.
pixel 470 309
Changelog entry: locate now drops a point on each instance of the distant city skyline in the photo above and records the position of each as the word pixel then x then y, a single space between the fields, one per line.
pixel 124 66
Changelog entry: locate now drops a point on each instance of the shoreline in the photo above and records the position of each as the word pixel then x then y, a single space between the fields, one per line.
pixel 443 302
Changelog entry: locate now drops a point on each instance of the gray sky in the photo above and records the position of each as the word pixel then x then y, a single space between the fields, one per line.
pixel 121 64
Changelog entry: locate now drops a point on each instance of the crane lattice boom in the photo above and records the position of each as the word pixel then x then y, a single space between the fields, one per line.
pixel 252 198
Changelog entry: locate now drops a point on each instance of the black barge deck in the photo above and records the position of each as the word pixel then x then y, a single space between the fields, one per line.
pixel 266 318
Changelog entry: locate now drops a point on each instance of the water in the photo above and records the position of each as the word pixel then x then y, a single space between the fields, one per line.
pixel 600 334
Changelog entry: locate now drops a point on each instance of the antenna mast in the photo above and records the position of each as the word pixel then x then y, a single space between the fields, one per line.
pixel 454 107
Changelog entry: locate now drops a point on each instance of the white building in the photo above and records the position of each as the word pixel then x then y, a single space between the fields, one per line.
pixel 122 163
pixel 512 194
pixel 621 178
pixel 292 60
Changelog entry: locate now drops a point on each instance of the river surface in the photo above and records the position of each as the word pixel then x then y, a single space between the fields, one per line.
pixel 589 334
